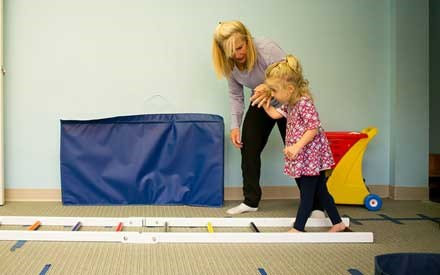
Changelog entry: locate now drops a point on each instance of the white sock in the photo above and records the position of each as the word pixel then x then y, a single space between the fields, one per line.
pixel 242 208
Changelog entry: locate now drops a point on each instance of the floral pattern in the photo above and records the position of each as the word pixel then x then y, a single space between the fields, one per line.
pixel 316 155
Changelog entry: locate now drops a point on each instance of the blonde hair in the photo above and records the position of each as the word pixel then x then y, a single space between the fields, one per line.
pixel 223 47
pixel 289 71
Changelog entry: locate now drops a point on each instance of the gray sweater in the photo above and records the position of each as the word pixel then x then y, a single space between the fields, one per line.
pixel 268 52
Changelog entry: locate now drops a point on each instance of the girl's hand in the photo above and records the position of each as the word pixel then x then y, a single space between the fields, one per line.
pixel 261 95
pixel 292 151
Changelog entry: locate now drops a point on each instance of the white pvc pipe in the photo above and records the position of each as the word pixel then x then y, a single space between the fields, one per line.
pixel 177 237
pixel 160 221
pixel 152 238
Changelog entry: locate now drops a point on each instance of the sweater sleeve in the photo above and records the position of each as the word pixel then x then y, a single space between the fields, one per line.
pixel 308 113
pixel 236 99
pixel 272 53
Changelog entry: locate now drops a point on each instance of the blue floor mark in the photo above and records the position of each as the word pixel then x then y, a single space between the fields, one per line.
pixel 410 219
pixel 384 217
pixel 388 218
pixel 371 219
pixel 17 245
pixel 262 271
pixel 353 271
pixel 45 269
pixel 429 218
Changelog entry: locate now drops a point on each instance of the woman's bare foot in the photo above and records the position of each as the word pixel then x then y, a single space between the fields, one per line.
pixel 293 230
pixel 339 227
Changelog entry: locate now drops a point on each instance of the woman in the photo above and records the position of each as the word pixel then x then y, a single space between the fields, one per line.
pixel 242 60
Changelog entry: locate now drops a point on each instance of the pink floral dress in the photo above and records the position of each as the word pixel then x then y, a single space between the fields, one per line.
pixel 316 155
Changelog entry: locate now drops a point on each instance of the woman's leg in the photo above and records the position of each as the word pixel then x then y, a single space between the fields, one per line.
pixel 282 124
pixel 307 195
pixel 257 126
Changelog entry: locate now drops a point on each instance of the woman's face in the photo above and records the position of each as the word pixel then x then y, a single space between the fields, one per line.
pixel 240 51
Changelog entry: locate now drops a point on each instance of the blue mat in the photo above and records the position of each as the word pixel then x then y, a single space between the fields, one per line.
pixel 407 263
pixel 167 159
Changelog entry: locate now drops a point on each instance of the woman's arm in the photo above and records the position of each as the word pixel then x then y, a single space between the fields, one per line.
pixel 261 95
pixel 265 103
pixel 236 100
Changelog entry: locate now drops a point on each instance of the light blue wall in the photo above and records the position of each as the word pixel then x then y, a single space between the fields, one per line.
pixel 410 113
pixel 94 58
pixel 434 80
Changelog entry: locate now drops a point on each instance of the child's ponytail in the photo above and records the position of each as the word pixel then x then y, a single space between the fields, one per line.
pixel 298 78
pixel 293 63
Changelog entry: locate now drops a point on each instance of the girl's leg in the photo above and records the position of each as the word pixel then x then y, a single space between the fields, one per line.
pixel 316 202
pixel 282 123
pixel 329 204
pixel 307 194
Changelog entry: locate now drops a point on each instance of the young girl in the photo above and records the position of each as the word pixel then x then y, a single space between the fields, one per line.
pixel 307 152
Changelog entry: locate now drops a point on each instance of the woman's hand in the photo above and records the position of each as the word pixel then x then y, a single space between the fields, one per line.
pixel 292 151
pixel 235 138
pixel 261 95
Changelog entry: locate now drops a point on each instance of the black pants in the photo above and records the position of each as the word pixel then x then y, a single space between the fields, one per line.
pixel 256 129
pixel 313 187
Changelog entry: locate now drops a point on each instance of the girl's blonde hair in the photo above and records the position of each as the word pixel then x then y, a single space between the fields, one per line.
pixel 223 47
pixel 289 71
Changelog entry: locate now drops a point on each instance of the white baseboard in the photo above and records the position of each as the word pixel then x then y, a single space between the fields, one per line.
pixel 236 193
pixel 33 195
pixel 268 193
pixel 409 193
pixel 291 192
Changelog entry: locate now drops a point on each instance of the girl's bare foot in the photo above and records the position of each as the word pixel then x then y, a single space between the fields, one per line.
pixel 339 227
pixel 293 230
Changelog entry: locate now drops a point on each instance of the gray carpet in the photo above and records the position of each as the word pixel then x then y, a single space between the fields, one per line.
pixel 401 226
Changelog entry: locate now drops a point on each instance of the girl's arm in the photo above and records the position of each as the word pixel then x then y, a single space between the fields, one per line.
pixel 295 149
pixel 272 112
pixel 307 137
pixel 310 117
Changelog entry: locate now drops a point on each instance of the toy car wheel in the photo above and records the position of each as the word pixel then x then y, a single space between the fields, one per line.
pixel 373 202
